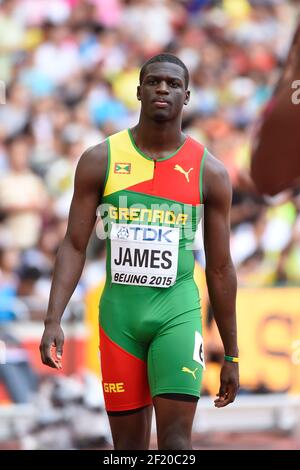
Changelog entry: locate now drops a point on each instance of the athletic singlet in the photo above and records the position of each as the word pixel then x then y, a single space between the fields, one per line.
pixel 150 212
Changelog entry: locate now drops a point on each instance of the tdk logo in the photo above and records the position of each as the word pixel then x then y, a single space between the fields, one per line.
pixel 151 234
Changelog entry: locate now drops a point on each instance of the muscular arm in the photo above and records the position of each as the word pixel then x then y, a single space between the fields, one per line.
pixel 275 163
pixel 220 272
pixel 89 181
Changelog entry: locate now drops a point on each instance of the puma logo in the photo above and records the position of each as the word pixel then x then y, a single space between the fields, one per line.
pixel 185 173
pixel 189 371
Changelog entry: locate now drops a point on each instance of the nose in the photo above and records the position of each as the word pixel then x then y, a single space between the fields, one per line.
pixel 162 87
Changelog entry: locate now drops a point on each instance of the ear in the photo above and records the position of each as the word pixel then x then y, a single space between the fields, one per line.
pixel 138 93
pixel 187 97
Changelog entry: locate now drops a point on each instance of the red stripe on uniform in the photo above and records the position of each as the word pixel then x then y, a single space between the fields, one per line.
pixel 181 184
pixel 124 377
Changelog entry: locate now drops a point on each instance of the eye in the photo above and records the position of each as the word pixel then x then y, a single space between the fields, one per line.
pixel 152 81
pixel 174 84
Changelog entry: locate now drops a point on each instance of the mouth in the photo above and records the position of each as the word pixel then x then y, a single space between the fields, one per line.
pixel 161 103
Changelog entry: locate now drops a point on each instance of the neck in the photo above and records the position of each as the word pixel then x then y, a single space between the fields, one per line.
pixel 155 134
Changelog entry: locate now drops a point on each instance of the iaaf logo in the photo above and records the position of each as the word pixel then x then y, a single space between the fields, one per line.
pixel 147 234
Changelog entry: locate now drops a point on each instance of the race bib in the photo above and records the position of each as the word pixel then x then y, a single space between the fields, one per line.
pixel 144 255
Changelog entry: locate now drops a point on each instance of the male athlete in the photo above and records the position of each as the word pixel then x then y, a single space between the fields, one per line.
pixel 151 181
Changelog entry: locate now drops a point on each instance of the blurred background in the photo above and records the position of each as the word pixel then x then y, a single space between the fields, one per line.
pixel 69 71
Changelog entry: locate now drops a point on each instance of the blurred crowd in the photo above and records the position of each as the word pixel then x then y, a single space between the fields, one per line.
pixel 69 71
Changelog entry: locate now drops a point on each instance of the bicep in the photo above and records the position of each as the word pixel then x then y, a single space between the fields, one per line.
pixel 88 184
pixel 82 217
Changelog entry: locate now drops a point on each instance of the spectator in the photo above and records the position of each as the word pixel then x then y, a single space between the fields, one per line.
pixel 22 196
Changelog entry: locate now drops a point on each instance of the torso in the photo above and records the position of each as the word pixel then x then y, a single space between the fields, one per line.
pixel 151 209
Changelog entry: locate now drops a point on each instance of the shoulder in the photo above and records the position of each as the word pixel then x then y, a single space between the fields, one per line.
pixel 93 157
pixel 92 164
pixel 217 183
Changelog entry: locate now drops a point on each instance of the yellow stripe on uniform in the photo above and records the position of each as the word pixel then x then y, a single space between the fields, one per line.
pixel 126 166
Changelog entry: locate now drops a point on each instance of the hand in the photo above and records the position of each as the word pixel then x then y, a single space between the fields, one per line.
pixel 51 347
pixel 229 385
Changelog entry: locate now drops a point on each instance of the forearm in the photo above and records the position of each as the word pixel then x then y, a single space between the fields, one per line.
pixel 222 286
pixel 67 271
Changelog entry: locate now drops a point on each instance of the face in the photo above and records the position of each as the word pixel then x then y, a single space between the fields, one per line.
pixel 19 155
pixel 162 91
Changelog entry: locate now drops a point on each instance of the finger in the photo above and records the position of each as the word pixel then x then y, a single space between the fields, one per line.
pixel 222 395
pixel 224 402
pixel 43 348
pixel 59 347
pixel 219 402
pixel 55 356
pixel 51 363
pixel 228 398
pixel 232 391
pixel 222 390
pixel 47 357
pixel 41 353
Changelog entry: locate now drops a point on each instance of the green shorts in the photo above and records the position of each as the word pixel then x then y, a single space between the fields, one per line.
pixel 150 343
